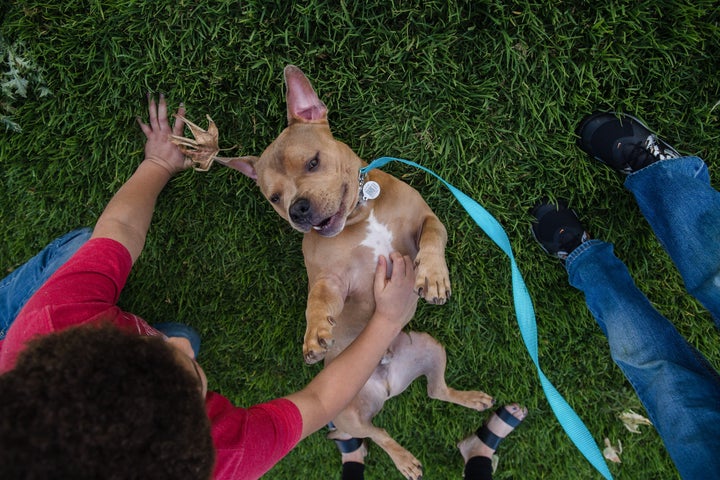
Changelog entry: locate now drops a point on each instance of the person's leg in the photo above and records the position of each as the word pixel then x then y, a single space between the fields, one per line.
pixel 676 384
pixel 352 470
pixel 683 209
pixel 352 453
pixel 478 468
pixel 477 449
pixel 17 288
pixel 181 333
pixel 673 192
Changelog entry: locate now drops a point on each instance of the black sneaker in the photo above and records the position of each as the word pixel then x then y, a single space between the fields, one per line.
pixel 621 142
pixel 557 228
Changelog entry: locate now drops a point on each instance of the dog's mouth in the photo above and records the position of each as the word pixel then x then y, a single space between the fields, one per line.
pixel 333 224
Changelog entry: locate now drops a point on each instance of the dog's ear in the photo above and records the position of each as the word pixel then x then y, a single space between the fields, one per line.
pixel 303 104
pixel 245 165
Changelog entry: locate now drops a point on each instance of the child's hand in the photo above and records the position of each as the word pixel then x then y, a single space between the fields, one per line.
pixel 394 297
pixel 158 148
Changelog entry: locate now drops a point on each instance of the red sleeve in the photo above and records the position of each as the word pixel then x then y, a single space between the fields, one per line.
pixel 250 441
pixel 85 289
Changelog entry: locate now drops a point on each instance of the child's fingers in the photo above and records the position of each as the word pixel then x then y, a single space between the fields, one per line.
pixel 179 124
pixel 380 272
pixel 162 113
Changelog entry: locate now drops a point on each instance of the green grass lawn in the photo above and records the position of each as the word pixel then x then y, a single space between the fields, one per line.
pixel 485 93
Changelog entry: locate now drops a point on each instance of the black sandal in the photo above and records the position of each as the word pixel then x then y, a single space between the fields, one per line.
pixel 346 446
pixel 488 437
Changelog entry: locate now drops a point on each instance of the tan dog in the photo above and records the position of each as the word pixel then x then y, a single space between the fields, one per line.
pixel 312 181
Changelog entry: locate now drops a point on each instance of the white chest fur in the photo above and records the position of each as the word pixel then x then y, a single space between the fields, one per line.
pixel 378 237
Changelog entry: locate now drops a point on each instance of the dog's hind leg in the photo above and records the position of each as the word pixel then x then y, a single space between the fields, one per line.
pixel 350 421
pixel 420 354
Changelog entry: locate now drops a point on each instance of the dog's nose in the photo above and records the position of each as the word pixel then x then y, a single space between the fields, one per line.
pixel 300 211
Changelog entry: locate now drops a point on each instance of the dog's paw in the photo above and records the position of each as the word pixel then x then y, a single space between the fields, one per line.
pixel 432 278
pixel 409 466
pixel 472 399
pixel 317 341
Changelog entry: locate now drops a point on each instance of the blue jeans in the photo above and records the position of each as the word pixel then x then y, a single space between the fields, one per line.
pixel 17 288
pixel 678 387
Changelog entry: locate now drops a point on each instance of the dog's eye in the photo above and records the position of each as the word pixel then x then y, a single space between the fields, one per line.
pixel 313 163
pixel 274 197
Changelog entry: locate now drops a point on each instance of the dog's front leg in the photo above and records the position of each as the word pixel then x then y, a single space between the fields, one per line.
pixel 432 275
pixel 325 302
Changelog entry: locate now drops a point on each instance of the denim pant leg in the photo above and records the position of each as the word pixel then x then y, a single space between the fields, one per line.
pixel 17 288
pixel 683 209
pixel 678 387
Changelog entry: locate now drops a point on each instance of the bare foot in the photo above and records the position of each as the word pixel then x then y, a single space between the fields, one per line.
pixel 472 446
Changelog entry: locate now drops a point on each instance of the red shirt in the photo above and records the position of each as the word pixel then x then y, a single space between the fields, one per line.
pixel 84 290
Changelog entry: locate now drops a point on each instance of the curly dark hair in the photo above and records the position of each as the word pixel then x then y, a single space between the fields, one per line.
pixel 97 402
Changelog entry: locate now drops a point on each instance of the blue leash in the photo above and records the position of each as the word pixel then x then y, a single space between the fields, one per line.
pixel 569 420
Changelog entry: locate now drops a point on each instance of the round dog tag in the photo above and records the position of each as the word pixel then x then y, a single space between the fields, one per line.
pixel 371 190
